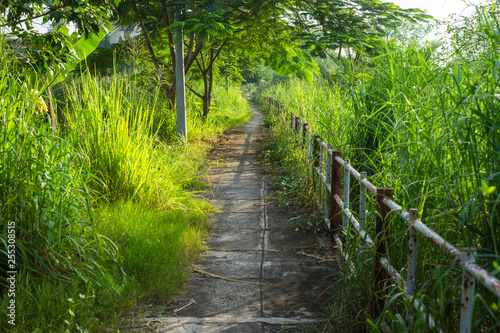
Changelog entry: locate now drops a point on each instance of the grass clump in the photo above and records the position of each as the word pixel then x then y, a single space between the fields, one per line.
pixel 44 191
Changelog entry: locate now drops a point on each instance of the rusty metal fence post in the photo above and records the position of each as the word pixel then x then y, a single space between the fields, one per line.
pixel 305 129
pixel 412 263
pixel 315 156
pixel 347 188
pixel 468 286
pixel 362 205
pixel 321 168
pixel 382 247
pixel 328 194
pixel 335 210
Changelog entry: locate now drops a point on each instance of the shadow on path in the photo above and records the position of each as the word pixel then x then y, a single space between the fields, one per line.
pixel 280 281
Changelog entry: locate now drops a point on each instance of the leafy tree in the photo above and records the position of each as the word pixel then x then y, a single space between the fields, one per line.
pixel 408 32
pixel 345 24
pixel 243 28
pixel 281 34
pixel 49 56
pixel 46 49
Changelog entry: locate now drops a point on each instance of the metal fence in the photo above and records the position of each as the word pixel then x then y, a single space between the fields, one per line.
pixel 329 166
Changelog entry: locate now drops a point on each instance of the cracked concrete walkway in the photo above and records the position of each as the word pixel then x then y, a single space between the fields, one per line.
pixel 252 241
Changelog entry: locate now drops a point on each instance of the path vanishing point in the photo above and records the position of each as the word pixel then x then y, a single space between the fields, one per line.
pixel 282 279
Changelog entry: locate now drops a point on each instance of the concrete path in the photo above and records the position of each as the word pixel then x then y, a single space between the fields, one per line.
pixel 281 277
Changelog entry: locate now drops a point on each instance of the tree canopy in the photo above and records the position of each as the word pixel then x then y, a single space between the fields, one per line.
pixel 21 20
pixel 282 34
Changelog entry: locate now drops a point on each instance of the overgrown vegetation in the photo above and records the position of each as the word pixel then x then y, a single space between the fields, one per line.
pixel 428 126
pixel 103 212
pixel 96 191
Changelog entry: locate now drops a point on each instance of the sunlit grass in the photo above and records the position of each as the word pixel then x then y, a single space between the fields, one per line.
pixel 157 247
pixel 430 132
pixel 104 215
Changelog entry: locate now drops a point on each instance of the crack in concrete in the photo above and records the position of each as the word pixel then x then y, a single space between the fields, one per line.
pixel 263 242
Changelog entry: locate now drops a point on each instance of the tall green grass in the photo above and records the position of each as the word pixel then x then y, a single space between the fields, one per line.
pixel 229 109
pixel 45 191
pixel 113 124
pixel 431 131
pixel 105 218
pixel 117 123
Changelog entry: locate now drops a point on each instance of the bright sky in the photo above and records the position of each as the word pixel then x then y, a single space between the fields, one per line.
pixel 440 9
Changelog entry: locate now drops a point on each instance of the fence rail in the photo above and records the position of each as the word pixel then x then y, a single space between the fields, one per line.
pixel 338 216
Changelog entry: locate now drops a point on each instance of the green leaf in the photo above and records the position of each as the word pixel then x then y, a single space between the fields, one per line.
pixel 486 189
pixel 81 49
pixel 84 47
pixel 63 29
pixel 496 265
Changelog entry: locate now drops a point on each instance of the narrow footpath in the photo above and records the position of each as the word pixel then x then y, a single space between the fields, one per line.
pixel 280 272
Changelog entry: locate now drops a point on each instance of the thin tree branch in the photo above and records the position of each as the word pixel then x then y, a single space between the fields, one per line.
pixel 199 65
pixel 194 92
pixel 189 48
pixel 151 51
pixel 195 53
pixel 220 49
pixel 169 33
pixel 202 61
pixel 34 17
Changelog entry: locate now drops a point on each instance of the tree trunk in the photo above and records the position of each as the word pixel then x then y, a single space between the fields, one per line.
pixel 358 55
pixel 350 58
pixel 206 97
pixel 171 96
pixel 206 107
pixel 163 82
pixel 210 79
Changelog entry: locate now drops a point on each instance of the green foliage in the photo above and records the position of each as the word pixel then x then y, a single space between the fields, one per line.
pixel 288 61
pixel 56 52
pixel 431 132
pixel 77 271
pixel 327 24
pixel 44 190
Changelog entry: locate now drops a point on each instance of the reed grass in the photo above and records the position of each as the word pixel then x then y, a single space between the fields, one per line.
pixel 430 131
pixel 45 191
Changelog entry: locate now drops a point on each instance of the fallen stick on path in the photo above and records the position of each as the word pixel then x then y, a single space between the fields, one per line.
pixel 180 321
pixel 323 259
pixel 200 271
pixel 185 306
